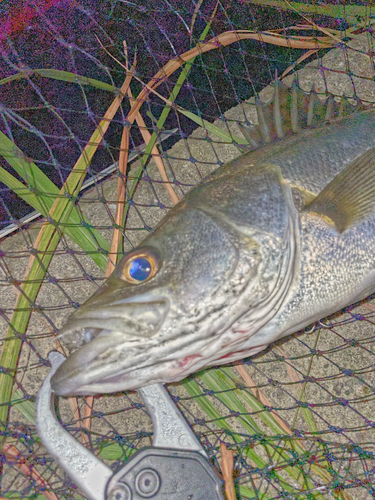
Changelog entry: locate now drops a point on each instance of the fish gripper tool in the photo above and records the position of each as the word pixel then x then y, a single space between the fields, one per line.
pixel 175 467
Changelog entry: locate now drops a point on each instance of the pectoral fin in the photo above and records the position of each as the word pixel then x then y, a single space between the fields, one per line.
pixel 350 197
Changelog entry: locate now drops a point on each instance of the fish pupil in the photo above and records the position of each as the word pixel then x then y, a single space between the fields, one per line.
pixel 140 269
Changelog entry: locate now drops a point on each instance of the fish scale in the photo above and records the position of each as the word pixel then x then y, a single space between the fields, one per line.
pixel 267 244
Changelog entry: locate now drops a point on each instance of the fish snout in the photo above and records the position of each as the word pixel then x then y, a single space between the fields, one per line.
pixel 138 318
pixel 104 342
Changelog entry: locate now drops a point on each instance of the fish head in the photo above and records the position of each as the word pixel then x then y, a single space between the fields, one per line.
pixel 164 311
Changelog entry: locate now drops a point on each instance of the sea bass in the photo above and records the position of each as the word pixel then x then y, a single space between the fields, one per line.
pixel 267 244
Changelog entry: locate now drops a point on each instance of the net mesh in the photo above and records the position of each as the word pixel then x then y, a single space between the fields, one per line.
pixel 298 417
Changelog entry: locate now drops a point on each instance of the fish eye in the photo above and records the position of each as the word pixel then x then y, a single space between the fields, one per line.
pixel 139 267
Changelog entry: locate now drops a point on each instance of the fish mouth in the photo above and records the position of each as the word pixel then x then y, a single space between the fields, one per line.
pixel 105 343
pixel 136 318
pixel 96 364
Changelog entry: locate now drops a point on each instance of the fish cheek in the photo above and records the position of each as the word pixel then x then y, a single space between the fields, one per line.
pixel 197 255
pixel 207 273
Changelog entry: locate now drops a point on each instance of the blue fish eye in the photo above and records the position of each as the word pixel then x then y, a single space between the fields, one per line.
pixel 140 269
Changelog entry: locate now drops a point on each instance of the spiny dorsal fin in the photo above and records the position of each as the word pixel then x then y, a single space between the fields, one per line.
pixel 317 110
pixel 292 110
pixel 251 134
pixel 264 120
pixel 278 105
pixel 350 197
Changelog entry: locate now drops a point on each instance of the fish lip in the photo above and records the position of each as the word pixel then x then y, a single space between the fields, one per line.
pixel 126 379
pixel 78 382
pixel 86 324
pixel 75 373
pixel 72 386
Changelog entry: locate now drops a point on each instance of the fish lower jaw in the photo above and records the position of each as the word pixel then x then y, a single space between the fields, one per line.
pixel 105 386
pixel 77 384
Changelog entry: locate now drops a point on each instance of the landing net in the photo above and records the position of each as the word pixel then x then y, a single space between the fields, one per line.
pixel 298 418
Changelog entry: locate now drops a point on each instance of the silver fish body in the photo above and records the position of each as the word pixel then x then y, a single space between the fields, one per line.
pixel 253 253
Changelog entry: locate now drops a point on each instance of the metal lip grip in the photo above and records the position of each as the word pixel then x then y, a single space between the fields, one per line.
pixel 174 468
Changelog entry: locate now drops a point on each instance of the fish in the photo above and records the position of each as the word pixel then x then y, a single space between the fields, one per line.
pixel 267 244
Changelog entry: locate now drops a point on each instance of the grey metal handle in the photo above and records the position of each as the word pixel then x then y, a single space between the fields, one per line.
pixel 85 470
pixel 170 428
pixel 88 472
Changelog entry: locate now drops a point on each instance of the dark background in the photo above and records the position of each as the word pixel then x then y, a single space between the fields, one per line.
pixel 51 120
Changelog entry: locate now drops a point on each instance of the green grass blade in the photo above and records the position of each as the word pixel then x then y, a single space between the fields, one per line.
pixel 48 242
pixel 87 237
pixel 273 424
pixel 216 381
pixel 21 316
pixel 45 246
pixel 64 76
pixel 28 170
pixel 20 189
pixel 160 124
pixel 256 405
pixel 226 392
pixel 213 413
pixel 213 128
pixel 41 193
pixel 343 11
pixel 114 451
pixel 253 495
pixel 306 412
pixel 27 408
pixel 309 418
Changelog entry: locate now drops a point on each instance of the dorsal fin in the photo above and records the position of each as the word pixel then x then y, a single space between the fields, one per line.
pixel 292 110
